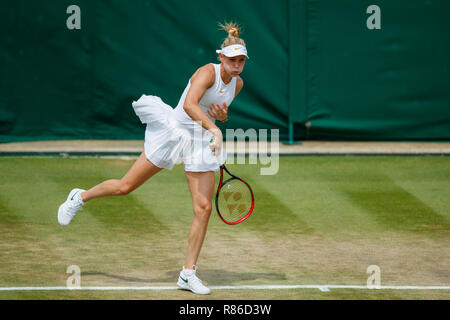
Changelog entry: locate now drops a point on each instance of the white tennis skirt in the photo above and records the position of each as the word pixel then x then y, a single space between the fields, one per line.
pixel 167 142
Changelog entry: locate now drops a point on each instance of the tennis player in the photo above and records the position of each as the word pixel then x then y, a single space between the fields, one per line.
pixel 186 134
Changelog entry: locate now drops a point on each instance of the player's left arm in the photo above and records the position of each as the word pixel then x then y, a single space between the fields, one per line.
pixel 239 86
pixel 221 112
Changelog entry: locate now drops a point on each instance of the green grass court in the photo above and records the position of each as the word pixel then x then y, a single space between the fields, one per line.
pixel 320 220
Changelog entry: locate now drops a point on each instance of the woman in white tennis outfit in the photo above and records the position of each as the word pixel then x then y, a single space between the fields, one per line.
pixel 188 135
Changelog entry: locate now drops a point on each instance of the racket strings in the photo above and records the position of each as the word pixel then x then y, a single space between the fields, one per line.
pixel 235 200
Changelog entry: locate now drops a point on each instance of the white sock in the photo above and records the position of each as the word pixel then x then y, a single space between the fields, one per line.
pixel 78 198
pixel 188 272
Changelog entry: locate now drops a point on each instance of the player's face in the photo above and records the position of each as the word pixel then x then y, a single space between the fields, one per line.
pixel 233 65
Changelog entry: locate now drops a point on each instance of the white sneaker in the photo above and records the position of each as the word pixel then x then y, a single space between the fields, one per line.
pixel 69 208
pixel 188 280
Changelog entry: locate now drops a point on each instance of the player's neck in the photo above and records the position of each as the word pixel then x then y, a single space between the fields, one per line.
pixel 226 78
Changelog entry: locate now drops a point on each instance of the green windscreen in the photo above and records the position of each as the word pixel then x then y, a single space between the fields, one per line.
pixel 313 65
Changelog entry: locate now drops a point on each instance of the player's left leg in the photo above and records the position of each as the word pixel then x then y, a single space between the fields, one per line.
pixel 201 186
pixel 141 171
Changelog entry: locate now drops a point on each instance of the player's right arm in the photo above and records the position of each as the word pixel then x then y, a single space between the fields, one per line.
pixel 202 80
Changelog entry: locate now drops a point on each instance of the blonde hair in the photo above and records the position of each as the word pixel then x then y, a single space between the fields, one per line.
pixel 233 30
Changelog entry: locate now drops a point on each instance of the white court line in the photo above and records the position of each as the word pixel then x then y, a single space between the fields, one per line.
pixel 323 288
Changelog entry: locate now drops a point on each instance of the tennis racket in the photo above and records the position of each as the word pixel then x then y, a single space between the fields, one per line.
pixel 234 198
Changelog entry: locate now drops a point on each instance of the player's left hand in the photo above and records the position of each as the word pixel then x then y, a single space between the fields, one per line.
pixel 218 112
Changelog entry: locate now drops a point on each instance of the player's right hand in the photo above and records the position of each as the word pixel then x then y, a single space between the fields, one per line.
pixel 215 144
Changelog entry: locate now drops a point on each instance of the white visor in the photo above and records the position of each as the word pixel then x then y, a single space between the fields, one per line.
pixel 234 50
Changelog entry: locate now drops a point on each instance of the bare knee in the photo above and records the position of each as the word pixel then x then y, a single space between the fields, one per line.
pixel 123 188
pixel 203 209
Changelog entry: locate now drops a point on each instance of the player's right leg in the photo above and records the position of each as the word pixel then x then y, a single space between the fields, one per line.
pixel 141 171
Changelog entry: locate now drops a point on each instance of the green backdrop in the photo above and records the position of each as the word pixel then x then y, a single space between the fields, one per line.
pixel 315 70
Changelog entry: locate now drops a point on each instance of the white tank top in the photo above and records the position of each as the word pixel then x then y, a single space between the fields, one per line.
pixel 218 94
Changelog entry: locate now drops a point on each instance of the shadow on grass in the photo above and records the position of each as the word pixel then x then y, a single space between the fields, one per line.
pixel 213 277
